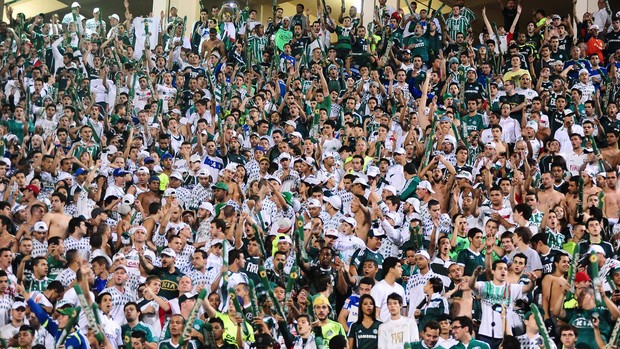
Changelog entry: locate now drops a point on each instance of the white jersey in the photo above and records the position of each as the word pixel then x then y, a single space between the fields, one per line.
pixel 165 93
pixel 395 333
pixel 141 97
pixel 491 294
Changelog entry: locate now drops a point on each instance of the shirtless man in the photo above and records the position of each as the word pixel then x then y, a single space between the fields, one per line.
pixel 56 219
pixel 30 194
pixel 142 185
pixel 612 197
pixel 548 194
pixel 152 195
pixel 440 180
pixel 515 272
pixel 459 296
pixel 212 44
pixel 588 184
pixel 7 240
pixel 552 283
pixel 572 198
pixel 36 214
pixel 611 154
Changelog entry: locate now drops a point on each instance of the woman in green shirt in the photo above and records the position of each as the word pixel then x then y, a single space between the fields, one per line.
pixel 363 333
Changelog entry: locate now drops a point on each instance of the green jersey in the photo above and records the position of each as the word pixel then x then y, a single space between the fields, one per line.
pixel 420 345
pixel 364 338
pixel 471 260
pixel 462 243
pixel 126 332
pixel 55 267
pixel 419 46
pixel 473 344
pixel 555 240
pixel 472 123
pixel 256 47
pixel 167 344
pixel 344 38
pixel 169 282
pixel 32 284
pixel 331 330
pixel 16 128
pixel 582 320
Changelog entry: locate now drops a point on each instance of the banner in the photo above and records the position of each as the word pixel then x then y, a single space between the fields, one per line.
pixel 144 27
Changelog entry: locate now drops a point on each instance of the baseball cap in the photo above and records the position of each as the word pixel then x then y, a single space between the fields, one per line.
pixel 115 16
pixel 582 276
pixel 220 185
pixel 176 175
pixel 331 232
pixel 149 160
pixel 40 226
pixel 400 151
pixel 205 205
pixel 533 124
pixel 121 267
pixel 80 171
pixel 18 305
pixel 69 311
pixel 313 203
pixel 464 174
pixel 33 188
pixel 360 181
pixel 166 156
pixel 376 233
pixel 426 185
pixel 423 253
pixel 284 238
pixel 143 169
pixel 320 300
pixel 334 201
pixel 390 188
pixel 351 221
pixel 170 192
pixel 187 295
pixel 169 252
pixel 596 249
pixel 194 158
pixel 203 172
pixel 373 171
pixel 119 172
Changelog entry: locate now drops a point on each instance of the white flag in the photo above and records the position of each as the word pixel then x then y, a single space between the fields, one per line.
pixel 139 25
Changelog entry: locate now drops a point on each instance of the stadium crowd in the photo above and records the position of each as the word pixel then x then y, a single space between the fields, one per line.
pixel 311 182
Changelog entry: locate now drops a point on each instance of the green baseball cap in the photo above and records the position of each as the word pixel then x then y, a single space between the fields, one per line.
pixel 288 197
pixel 220 185
pixel 71 312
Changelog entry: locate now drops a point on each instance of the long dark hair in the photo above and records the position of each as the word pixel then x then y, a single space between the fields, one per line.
pixel 361 315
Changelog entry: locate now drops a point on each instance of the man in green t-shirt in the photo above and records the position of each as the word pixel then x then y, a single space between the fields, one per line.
pixel 472 256
pixel 581 316
pixel 462 329
pixel 429 335
pixel 472 121
pixel 328 328
pixel 132 314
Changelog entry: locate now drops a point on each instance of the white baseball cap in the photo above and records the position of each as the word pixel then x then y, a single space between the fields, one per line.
pixel 426 185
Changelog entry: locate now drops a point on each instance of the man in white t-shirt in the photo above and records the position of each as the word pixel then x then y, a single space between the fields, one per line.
pixel 392 271
pixel 494 294
pixel 398 329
